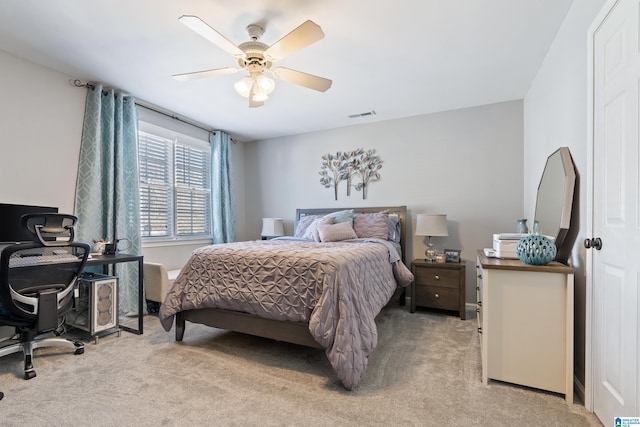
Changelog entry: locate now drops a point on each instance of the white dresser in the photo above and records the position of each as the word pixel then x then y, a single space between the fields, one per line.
pixel 525 321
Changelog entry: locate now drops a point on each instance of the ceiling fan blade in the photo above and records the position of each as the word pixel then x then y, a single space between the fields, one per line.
pixel 199 26
pixel 303 79
pixel 205 73
pixel 301 37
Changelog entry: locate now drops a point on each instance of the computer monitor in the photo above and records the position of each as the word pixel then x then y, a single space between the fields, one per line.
pixel 11 229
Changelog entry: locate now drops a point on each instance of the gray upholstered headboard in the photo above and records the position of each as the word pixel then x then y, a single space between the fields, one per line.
pixel 401 211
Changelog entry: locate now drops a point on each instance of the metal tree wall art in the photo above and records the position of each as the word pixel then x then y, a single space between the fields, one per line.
pixel 333 164
pixel 368 166
pixel 350 165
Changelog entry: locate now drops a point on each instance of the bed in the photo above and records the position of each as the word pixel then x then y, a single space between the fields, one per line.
pixel 321 288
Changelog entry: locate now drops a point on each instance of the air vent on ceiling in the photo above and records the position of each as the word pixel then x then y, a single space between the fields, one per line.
pixel 365 114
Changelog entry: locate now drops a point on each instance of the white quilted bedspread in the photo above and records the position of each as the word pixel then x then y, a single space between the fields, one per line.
pixel 338 287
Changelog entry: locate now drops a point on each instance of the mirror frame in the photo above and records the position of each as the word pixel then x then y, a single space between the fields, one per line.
pixel 567 203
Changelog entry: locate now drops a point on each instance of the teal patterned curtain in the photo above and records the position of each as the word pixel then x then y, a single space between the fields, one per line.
pixel 223 206
pixel 107 200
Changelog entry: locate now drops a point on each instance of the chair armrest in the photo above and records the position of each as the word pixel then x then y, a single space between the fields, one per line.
pixel 157 281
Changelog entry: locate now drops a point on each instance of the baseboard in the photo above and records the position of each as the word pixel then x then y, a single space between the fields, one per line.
pixel 578 389
pixel 469 306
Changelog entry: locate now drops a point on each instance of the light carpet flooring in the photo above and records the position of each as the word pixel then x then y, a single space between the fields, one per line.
pixel 425 372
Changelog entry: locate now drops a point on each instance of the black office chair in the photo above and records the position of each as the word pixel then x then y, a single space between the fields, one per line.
pixel 37 283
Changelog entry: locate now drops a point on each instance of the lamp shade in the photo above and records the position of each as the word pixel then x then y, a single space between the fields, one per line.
pixel 431 225
pixel 272 227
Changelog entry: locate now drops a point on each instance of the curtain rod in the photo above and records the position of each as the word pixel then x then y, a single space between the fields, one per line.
pixel 78 83
pixel 173 116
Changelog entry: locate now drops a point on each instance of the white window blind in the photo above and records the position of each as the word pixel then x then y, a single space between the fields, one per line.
pixel 175 190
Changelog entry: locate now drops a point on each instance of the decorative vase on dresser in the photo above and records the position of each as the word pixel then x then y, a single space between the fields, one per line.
pixel 525 321
pixel 521 226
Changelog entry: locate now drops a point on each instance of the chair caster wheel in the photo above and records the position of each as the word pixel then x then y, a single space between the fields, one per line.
pixel 79 350
pixel 29 374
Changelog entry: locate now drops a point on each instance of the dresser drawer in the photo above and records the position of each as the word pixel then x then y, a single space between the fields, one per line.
pixel 438 297
pixel 441 277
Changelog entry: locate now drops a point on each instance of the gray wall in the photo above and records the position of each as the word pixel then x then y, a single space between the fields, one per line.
pixel 555 115
pixel 41 120
pixel 466 163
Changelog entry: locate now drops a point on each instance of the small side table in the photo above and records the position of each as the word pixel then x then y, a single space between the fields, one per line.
pixel 113 259
pixel 438 285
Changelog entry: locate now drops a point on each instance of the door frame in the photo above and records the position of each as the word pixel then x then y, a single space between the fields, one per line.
pixel 589 285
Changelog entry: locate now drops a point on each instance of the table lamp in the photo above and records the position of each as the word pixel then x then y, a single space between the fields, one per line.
pixel 431 225
pixel 272 227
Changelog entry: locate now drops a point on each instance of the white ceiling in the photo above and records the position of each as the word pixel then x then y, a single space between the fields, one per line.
pixel 399 58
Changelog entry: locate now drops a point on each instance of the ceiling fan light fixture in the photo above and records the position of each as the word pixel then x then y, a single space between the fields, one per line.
pixel 264 84
pixel 243 86
pixel 261 84
pixel 259 97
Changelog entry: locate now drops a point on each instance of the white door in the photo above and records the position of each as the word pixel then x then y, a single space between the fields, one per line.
pixel 616 216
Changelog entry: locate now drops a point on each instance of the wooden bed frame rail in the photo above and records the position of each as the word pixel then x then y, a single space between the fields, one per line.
pixel 291 332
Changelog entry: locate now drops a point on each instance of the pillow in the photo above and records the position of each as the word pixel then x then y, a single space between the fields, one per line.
pixel 372 225
pixel 303 224
pixel 342 216
pixel 312 231
pixel 336 232
pixel 394 228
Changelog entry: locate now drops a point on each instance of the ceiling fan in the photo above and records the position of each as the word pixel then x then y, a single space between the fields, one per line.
pixel 257 57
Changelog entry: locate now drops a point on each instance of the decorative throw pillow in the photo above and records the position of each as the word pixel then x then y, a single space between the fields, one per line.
pixel 303 224
pixel 394 228
pixel 342 216
pixel 372 225
pixel 312 231
pixel 336 232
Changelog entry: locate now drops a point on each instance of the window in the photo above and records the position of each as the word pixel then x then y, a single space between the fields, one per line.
pixel 175 184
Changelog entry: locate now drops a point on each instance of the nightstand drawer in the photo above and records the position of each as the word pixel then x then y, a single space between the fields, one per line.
pixel 437 297
pixel 440 277
pixel 438 285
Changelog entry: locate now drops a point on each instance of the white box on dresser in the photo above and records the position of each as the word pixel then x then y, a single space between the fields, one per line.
pixel 525 320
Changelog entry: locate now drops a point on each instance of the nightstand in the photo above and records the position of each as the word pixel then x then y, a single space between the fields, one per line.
pixel 438 285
